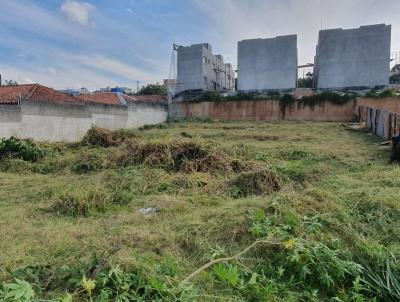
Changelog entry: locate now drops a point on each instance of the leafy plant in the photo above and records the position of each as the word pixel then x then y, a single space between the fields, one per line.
pixel 383 279
pixel 228 273
pixel 19 291
pixel 20 149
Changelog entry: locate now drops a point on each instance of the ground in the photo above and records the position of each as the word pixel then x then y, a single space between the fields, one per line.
pixel 331 226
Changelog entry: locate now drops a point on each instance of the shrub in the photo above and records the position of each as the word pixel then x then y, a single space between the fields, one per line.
pixel 20 149
pixel 374 93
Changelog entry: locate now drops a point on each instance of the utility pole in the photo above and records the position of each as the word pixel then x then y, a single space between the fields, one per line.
pixel 137 86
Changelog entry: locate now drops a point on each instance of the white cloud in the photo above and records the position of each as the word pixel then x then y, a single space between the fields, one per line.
pixel 113 66
pixel 51 71
pixel 26 16
pixel 77 11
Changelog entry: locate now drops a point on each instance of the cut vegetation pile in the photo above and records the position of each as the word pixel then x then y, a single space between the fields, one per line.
pixel 175 156
pixel 256 182
pixel 105 138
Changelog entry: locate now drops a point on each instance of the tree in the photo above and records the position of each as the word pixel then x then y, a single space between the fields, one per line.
pixel 153 89
pixel 306 82
pixel 395 77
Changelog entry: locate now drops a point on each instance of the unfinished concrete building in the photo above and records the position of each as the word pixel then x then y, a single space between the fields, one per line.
pixel 353 58
pixel 267 64
pixel 199 69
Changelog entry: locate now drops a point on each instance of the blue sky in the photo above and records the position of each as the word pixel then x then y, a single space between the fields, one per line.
pixel 74 43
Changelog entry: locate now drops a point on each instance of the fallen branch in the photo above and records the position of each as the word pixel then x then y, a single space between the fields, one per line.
pixel 235 257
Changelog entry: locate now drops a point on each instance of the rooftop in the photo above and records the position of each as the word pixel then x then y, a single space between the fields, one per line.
pixel 33 92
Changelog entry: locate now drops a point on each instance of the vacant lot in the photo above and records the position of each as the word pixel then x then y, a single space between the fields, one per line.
pixel 127 216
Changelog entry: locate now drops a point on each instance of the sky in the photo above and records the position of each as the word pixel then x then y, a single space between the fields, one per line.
pixel 99 43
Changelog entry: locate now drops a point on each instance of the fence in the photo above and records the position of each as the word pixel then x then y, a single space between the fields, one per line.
pixel 381 122
pixel 51 121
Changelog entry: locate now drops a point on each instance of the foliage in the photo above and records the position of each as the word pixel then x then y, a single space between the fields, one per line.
pixel 20 149
pixel 383 279
pixel 375 93
pixel 153 89
pixel 326 96
pixel 20 291
pixel 306 82
pixel 285 101
pixel 81 202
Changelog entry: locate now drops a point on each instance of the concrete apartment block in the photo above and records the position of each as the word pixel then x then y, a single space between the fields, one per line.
pixel 199 69
pixel 353 58
pixel 267 64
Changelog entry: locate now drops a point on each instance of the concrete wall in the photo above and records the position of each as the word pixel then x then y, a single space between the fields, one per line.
pixel 267 64
pixel 353 58
pixel 391 104
pixel 198 68
pixel 268 110
pixel 45 121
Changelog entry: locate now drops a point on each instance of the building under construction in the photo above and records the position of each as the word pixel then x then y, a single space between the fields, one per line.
pixel 353 58
pixel 267 64
pixel 199 69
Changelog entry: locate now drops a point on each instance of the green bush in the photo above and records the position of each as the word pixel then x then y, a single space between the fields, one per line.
pixel 20 149
pixel 374 93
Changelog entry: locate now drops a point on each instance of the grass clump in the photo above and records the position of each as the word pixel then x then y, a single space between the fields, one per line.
pixel 20 149
pixel 81 202
pixel 258 182
pixel 88 163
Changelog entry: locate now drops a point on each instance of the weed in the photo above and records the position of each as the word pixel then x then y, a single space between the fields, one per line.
pixel 88 163
pixel 80 202
pixel 20 149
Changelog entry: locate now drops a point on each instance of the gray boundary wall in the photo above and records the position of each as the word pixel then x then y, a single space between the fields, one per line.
pixel 353 58
pixel 267 64
pixel 48 121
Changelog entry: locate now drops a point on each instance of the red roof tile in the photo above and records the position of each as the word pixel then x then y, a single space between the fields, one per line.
pixel 33 92
pixel 101 97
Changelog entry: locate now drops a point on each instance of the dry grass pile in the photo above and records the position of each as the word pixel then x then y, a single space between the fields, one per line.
pixel 256 182
pixel 175 156
pixel 105 138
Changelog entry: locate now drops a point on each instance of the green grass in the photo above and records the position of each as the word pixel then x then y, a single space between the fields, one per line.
pixel 335 218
